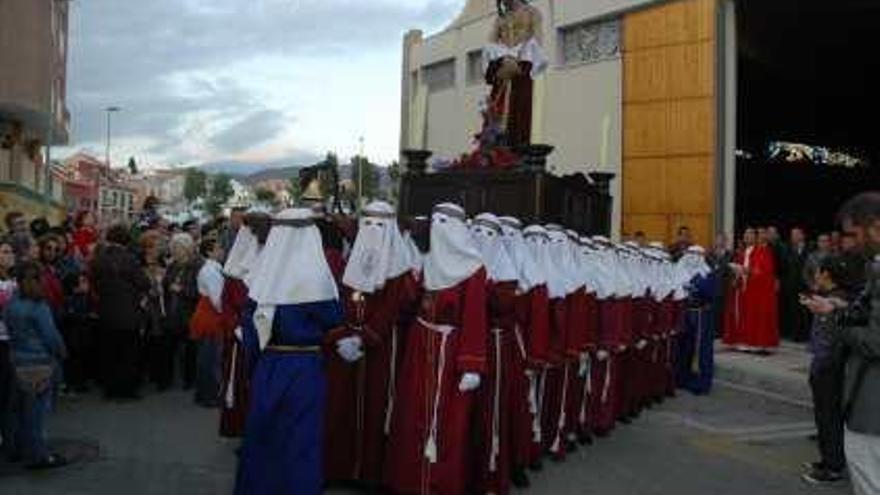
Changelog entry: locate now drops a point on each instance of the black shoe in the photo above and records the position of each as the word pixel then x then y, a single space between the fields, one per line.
pixel 810 466
pixel 570 446
pixel 585 439
pixel 536 466
pixel 822 477
pixel 51 462
pixel 519 478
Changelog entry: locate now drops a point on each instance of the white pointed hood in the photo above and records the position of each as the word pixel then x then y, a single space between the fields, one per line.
pixel 243 255
pixel 453 256
pixel 292 268
pixel 486 230
pixel 378 254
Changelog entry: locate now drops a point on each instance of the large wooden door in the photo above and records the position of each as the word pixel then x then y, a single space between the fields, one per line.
pixel 669 119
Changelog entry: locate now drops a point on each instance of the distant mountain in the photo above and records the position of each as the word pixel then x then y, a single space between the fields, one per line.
pixel 283 173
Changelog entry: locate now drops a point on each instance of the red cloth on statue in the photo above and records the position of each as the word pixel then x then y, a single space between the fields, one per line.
pixel 361 394
pixel 513 100
pixel 448 339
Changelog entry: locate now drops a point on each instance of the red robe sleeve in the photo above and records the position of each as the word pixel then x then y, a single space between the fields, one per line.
pixel 474 332
pixel 576 324
pixel 539 326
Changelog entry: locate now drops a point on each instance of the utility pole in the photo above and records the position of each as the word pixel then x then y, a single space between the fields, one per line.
pixel 361 159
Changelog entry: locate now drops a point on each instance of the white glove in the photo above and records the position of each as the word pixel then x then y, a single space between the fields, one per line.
pixel 642 344
pixel 350 348
pixel 469 381
pixel 621 348
pixel 584 365
pixel 602 355
pixel 238 335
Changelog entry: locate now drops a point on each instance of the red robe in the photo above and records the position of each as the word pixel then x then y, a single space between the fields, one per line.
pixel 430 449
pixel 757 324
pixel 582 338
pixel 361 395
pixel 234 390
pixel 614 338
pixel 555 378
pixel 533 314
pixel 503 393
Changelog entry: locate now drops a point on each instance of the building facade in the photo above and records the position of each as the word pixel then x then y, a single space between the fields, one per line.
pixel 634 87
pixel 33 109
pixel 92 185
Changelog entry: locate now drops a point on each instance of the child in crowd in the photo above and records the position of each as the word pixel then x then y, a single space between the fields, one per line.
pixel 826 378
pixel 207 323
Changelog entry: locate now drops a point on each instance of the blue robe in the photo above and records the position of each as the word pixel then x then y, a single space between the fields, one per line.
pixel 696 360
pixel 282 448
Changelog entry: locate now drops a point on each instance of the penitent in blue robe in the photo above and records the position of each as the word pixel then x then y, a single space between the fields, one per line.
pixel 696 360
pixel 282 448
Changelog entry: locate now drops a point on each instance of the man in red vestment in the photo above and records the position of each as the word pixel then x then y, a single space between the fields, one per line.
pixel 532 337
pixel 429 450
pixel 757 326
pixel 234 386
pixel 535 315
pixel 503 380
pixel 377 287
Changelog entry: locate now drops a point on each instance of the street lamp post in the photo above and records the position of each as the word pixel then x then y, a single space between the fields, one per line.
pixel 110 111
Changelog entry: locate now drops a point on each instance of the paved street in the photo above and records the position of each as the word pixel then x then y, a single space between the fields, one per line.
pixel 731 443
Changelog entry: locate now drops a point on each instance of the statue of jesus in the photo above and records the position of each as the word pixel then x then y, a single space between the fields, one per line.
pixel 514 58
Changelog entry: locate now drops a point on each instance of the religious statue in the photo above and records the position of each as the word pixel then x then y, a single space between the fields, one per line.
pixel 514 58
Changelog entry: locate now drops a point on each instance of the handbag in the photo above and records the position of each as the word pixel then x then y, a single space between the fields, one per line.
pixel 34 378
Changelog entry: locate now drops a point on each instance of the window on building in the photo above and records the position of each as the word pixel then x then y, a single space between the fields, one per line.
pixel 590 42
pixel 439 75
pixel 475 73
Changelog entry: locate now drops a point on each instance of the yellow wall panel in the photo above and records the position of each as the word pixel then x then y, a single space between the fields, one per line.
pixel 655 227
pixel 646 186
pixel 691 127
pixel 690 69
pixel 688 185
pixel 646 75
pixel 645 129
pixel 669 116
pixel 644 29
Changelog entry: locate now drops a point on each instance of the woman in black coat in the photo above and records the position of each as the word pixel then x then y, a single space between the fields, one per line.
pixel 121 287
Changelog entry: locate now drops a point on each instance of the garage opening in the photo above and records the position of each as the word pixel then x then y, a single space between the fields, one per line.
pixel 808 101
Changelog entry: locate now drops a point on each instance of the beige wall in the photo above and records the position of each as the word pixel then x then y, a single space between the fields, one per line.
pixel 29 53
pixel 577 108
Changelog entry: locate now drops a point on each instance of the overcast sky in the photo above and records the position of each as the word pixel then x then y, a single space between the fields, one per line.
pixel 268 81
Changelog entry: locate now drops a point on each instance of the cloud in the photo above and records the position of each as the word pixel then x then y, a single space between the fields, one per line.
pixel 210 80
pixel 252 130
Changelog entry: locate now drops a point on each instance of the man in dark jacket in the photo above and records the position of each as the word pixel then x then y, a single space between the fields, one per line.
pixel 121 287
pixel 860 337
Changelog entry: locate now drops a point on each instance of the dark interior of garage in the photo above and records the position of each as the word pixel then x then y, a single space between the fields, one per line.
pixel 808 72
